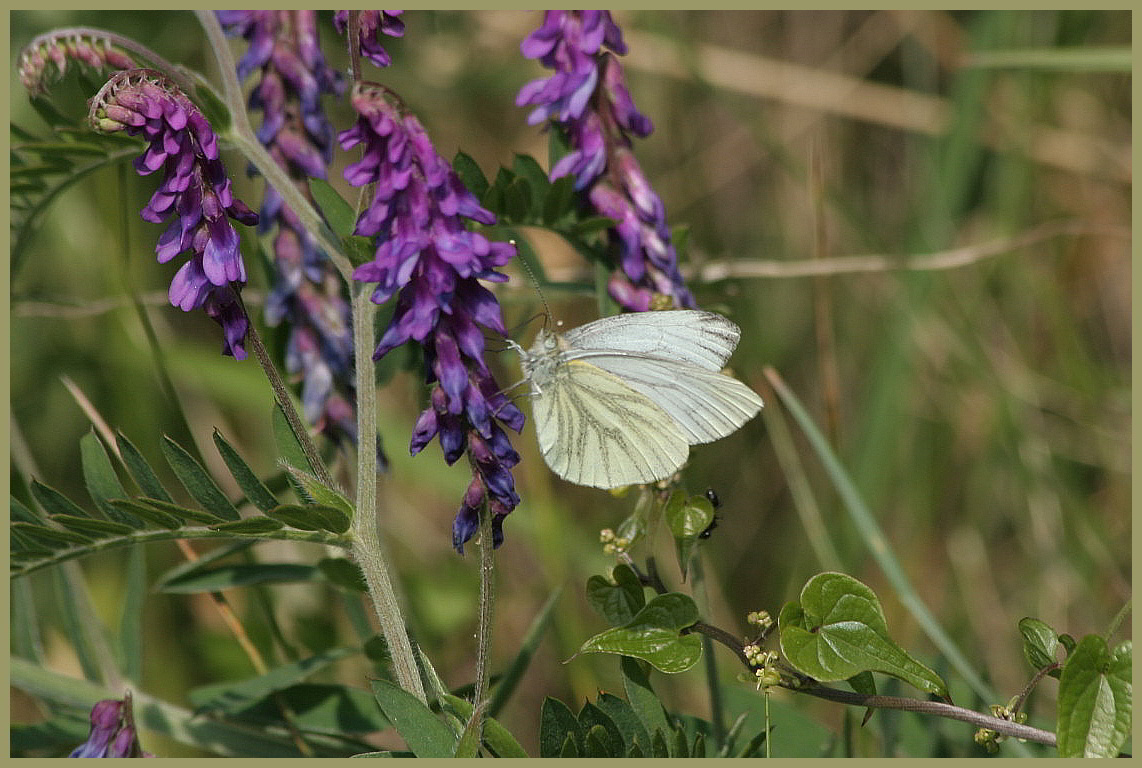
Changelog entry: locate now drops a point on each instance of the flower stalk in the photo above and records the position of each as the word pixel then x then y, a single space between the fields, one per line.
pixel 241 135
pixel 367 550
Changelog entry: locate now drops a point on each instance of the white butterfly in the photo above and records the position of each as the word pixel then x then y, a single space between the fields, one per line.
pixel 619 401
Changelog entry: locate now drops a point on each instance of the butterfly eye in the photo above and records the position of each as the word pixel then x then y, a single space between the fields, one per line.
pixel 549 343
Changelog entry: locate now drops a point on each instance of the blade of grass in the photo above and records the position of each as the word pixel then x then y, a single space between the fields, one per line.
pixel 512 675
pixel 875 539
pixel 131 623
pixel 799 488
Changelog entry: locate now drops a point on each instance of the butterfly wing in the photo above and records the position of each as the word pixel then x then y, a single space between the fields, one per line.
pixel 703 339
pixel 707 405
pixel 595 430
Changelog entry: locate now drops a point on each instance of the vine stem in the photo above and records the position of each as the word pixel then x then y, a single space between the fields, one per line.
pixel 938 708
pixel 367 549
pixel 243 138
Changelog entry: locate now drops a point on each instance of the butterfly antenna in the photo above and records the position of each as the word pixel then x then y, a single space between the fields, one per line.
pixel 535 282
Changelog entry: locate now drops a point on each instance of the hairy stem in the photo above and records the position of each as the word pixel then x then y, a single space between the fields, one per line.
pixel 367 549
pixel 487 602
pixel 281 394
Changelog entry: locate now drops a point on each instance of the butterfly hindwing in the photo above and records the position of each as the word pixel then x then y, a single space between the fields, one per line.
pixel 595 430
pixel 706 405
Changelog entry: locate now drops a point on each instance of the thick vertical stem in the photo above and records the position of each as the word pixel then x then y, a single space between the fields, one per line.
pixel 367 550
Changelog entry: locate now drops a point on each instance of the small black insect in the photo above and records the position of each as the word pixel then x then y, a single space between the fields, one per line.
pixel 712 497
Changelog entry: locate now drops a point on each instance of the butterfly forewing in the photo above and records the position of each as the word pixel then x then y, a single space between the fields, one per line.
pixel 595 430
pixel 700 338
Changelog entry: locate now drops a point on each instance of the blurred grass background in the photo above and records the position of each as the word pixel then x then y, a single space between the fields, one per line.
pixel 983 411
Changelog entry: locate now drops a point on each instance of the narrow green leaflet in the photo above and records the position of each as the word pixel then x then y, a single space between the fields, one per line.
pixel 254 488
pixel 496 737
pixel 140 470
pixel 241 575
pixel 470 174
pixel 1095 699
pixel 178 512
pixel 323 708
pixel 311 517
pixel 838 631
pixel 337 212
pixel 289 447
pixel 90 526
pixel 343 572
pixel 102 482
pixel 617 601
pixel 424 733
pixel 251 526
pixel 322 494
pixel 234 696
pixel 54 502
pixel 197 482
pixel 655 635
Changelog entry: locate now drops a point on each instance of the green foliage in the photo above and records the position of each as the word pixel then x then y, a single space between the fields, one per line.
pixel 66 531
pixel 423 731
pixel 44 167
pixel 1040 644
pixel 617 600
pixel 655 635
pixel 838 631
pixel 1095 699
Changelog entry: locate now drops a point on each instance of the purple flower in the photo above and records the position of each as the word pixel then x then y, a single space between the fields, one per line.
pixel 307 293
pixel 370 26
pixel 588 99
pixel 113 732
pixel 433 264
pixel 195 194
pixel 46 58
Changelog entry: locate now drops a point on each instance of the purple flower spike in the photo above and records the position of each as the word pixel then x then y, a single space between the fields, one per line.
pixel 46 58
pixel 371 25
pixel 194 193
pixel 113 732
pixel 307 293
pixel 433 263
pixel 588 99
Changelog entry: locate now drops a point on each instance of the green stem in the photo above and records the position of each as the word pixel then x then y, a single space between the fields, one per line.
pixel 281 394
pixel 143 537
pixel 367 549
pixel 243 138
pixel 487 602
pixel 713 686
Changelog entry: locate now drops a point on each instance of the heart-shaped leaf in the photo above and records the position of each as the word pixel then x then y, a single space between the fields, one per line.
pixel 1095 694
pixel 838 631
pixel 618 601
pixel 655 635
